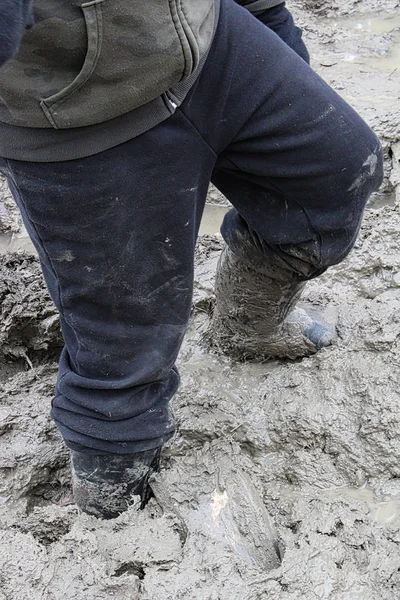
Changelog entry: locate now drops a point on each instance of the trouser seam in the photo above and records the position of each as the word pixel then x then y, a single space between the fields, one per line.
pixel 199 132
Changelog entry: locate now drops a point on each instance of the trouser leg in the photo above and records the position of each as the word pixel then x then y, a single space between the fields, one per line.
pixel 115 233
pixel 295 160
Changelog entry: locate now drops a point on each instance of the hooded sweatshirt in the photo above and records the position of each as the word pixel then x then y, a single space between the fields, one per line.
pixel 77 78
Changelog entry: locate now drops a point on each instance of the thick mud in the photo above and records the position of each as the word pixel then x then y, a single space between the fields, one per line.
pixel 315 443
pixel 283 480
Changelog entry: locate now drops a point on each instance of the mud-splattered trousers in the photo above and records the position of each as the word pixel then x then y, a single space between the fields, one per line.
pixel 116 232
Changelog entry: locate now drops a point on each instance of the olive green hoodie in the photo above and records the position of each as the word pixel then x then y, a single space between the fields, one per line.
pixel 103 69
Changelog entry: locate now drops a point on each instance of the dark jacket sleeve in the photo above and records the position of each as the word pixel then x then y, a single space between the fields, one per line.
pixel 16 17
pixel 256 6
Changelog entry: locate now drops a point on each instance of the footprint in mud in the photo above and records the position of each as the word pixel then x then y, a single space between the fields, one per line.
pixel 220 504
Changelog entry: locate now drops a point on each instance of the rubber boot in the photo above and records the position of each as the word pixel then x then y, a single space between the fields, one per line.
pixel 255 317
pixel 106 485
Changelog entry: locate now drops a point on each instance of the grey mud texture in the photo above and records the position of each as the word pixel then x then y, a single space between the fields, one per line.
pixel 28 319
pixel 293 460
pixel 283 480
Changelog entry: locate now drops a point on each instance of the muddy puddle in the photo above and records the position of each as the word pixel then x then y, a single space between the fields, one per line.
pixel 383 512
pixel 385 54
pixel 283 479
pixel 375 22
pixel 212 219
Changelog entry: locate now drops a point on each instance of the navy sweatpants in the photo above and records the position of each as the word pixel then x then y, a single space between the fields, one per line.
pixel 116 232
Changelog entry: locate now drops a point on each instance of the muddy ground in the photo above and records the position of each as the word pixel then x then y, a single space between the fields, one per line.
pixel 315 443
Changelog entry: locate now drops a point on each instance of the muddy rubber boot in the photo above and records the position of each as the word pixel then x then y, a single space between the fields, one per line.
pixel 105 485
pixel 255 316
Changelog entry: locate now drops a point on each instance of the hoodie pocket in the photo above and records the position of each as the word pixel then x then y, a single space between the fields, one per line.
pixel 136 51
pixel 94 28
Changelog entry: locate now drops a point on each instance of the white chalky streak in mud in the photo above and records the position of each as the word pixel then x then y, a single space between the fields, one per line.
pixel 219 502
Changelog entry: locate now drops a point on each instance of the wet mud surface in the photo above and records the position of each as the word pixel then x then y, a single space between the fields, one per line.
pixel 313 443
pixel 283 480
